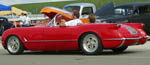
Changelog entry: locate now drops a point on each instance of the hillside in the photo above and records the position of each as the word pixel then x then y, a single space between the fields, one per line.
pixel 36 7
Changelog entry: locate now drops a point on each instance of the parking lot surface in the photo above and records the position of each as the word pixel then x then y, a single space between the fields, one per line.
pixel 134 55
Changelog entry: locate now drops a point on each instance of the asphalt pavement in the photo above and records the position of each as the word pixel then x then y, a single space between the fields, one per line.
pixel 134 55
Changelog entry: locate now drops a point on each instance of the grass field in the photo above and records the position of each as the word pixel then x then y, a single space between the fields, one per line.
pixel 36 7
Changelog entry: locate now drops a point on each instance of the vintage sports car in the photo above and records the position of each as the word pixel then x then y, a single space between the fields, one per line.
pixel 88 38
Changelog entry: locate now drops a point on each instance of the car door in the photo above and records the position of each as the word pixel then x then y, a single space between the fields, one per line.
pixel 33 37
pixel 60 38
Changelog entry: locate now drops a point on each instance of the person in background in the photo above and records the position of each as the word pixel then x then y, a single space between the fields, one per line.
pixel 92 18
pixel 75 14
pixel 24 20
pixel 74 22
pixel 21 18
pixel 77 21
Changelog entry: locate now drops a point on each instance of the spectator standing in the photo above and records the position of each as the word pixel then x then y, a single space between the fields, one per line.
pixel 24 20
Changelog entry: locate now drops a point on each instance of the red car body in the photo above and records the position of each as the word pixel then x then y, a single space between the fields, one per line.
pixel 89 38
pixel 67 38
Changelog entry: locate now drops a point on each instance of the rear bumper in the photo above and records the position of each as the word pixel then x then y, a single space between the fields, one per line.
pixel 147 38
pixel 130 41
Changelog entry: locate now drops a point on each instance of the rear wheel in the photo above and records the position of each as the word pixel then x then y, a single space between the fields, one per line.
pixel 120 50
pixel 14 45
pixel 90 44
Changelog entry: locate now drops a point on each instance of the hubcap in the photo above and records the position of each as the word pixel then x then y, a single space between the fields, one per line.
pixel 90 43
pixel 13 44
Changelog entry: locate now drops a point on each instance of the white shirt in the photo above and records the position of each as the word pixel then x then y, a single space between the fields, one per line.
pixel 74 22
pixel 22 18
pixel 25 19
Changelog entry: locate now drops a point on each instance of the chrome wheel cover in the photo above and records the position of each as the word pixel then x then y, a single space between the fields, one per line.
pixel 13 44
pixel 90 43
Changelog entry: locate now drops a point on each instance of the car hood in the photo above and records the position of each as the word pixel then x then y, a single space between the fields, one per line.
pixel 105 10
pixel 52 11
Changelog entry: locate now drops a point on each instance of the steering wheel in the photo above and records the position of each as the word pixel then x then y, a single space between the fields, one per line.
pixel 57 19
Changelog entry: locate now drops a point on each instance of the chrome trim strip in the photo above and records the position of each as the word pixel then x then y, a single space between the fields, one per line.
pixel 25 40
pixel 114 39
pixel 49 40
pixel 134 38
pixel 125 38
pixel 122 43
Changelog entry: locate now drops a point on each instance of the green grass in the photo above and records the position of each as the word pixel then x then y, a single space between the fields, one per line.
pixel 36 7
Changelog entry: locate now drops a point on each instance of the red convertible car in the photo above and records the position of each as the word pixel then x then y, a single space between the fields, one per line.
pixel 88 38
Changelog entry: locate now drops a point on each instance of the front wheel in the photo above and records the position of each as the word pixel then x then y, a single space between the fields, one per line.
pixel 90 44
pixel 14 45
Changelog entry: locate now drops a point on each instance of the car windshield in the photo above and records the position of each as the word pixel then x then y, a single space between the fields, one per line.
pixel 70 8
pixel 123 11
pixel 87 11
pixel 58 17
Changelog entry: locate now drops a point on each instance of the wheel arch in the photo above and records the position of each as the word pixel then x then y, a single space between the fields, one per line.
pixel 89 32
pixel 16 36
